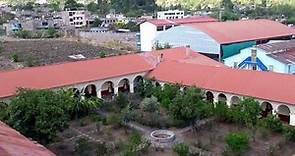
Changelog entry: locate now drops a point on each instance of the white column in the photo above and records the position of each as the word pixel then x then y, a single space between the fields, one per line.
pixel 99 93
pixel 131 86
pixel 292 119
pixel 116 90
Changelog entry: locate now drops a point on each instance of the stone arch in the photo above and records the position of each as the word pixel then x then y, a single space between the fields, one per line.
pixel 137 82
pixel 235 100
pixel 90 91
pixel 266 109
pixel 75 91
pixel 157 84
pixel 222 98
pixel 209 97
pixel 283 112
pixel 124 86
pixel 107 90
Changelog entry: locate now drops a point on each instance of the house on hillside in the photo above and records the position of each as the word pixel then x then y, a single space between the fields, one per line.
pixel 277 56
pixel 220 40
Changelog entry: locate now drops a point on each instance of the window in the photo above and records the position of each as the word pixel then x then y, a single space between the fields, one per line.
pixel 161 28
pixel 235 64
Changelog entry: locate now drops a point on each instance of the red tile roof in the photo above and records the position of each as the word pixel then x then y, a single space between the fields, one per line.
pixel 12 143
pixel 240 31
pixel 60 75
pixel 183 54
pixel 166 22
pixel 263 85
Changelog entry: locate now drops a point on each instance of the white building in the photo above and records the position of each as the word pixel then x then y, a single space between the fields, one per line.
pixel 151 28
pixel 76 18
pixel 170 14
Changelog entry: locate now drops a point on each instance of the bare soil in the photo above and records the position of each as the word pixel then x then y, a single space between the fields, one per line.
pixel 212 139
pixel 47 51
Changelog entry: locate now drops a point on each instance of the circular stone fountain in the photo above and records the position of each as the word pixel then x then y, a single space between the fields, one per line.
pixel 162 138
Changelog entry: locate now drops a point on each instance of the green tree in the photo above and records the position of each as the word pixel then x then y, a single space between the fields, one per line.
pixel 39 114
pixel 121 101
pixel 73 4
pixel 150 104
pixel 187 106
pixel 92 7
pixel 237 142
pixel 97 22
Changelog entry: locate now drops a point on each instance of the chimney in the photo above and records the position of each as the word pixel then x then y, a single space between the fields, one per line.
pixel 253 54
pixel 187 50
pixel 161 58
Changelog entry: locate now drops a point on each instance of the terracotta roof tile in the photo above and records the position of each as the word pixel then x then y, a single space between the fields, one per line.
pixel 263 85
pixel 60 75
pixel 240 31
pixel 166 22
pixel 12 143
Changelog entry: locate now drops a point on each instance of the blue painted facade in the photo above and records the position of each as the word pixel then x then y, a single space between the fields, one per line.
pixel 263 62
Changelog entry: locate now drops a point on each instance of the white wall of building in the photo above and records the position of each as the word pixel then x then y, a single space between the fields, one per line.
pixel 170 14
pixel 76 18
pixel 183 35
pixel 148 32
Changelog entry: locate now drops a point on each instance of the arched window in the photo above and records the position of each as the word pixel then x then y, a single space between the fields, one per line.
pixel 124 86
pixel 235 100
pixel 222 98
pixel 137 82
pixel 90 91
pixel 266 109
pixel 209 97
pixel 107 90
pixel 284 113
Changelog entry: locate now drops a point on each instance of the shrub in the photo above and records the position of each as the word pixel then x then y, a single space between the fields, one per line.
pixel 114 119
pixel 182 149
pixel 237 142
pixel 82 147
pixel 102 149
pixel 14 57
pixel 150 104
pixel 221 111
pixel 29 62
pixel 289 133
pixel 51 33
pixel 101 54
pixel 24 34
pixel 121 101
pixel 272 123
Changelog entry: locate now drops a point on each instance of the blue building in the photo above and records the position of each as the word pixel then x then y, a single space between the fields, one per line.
pixel 277 56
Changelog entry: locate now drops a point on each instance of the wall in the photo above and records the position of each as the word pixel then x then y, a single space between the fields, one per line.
pixel 233 49
pixel 183 35
pixel 148 32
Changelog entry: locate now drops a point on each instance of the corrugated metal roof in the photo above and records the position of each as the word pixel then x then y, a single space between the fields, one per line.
pixel 241 31
pixel 282 51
